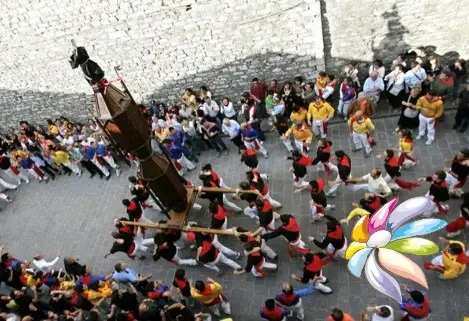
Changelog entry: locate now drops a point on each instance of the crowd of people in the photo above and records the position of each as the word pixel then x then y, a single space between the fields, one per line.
pixel 299 112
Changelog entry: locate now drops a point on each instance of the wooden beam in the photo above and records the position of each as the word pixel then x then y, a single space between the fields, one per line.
pixel 183 228
pixel 226 190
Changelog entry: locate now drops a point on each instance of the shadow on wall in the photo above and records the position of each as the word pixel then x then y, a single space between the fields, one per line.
pixel 231 79
pixel 38 106
pixel 387 50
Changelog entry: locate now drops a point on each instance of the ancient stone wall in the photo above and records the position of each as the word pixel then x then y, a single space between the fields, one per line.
pixel 164 46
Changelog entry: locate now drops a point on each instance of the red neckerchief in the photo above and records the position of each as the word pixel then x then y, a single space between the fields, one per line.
pixel 393 162
pixel 207 291
pixel 182 284
pixel 461 258
pixel 304 160
pixel 315 265
pixel 220 214
pixel 442 184
pixel 326 149
pixel 292 225
pixel 266 207
pixel 249 152
pixel 345 161
pixel 375 204
pixel 337 234
pixel 132 206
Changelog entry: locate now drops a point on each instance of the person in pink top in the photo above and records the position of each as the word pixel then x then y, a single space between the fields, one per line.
pixel 338 315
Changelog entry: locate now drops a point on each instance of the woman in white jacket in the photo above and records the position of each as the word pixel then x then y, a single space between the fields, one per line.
pixel 395 86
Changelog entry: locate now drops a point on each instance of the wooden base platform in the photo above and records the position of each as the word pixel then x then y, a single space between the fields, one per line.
pixel 180 219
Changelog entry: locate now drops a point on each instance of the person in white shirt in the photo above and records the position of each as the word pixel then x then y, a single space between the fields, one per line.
pixel 227 109
pixel 398 61
pixel 395 86
pixel 233 129
pixel 375 183
pixel 373 86
pixel 380 313
pixel 414 76
pixel 185 112
pixel 46 267
pixel 378 67
pixel 211 109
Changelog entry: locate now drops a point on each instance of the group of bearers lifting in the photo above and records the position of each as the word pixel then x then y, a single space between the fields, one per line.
pixel 444 184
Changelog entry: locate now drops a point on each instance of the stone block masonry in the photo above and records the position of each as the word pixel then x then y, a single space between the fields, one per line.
pixel 166 45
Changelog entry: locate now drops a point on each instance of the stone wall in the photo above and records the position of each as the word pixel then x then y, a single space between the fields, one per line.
pixel 161 45
pixel 164 46
pixel 370 29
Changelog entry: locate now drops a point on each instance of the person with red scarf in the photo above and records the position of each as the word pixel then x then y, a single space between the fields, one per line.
pixel 291 299
pixel 290 230
pixel 312 272
pixel 271 311
pixel 438 193
pixel 266 215
pixel 255 239
pixel 207 181
pixel 344 168
pixel 219 220
pixel 257 183
pixel 214 177
pixel 256 262
pixel 210 294
pixel 166 249
pixel 318 204
pixel 249 158
pixel 199 237
pixel 323 156
pixel 300 163
pixel 416 307
pixel 368 205
pixel 455 227
pixel 456 175
pixel 135 211
pixel 391 164
pixel 183 287
pixel 128 241
pixel 452 262
pixel 209 256
pixel 334 243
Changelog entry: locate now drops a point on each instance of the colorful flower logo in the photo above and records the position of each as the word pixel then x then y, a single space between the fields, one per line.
pixel 377 239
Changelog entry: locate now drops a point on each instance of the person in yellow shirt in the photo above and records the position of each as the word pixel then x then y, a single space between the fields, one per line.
pixel 406 147
pixel 361 128
pixel 452 261
pixel 52 128
pixel 62 158
pixel 431 108
pixel 210 294
pixel 299 114
pixel 303 136
pixel 321 83
pixel 161 132
pixel 319 113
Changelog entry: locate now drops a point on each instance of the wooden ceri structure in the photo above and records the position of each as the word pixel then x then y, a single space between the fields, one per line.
pixel 120 117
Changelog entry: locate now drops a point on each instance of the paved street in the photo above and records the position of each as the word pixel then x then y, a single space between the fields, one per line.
pixel 74 215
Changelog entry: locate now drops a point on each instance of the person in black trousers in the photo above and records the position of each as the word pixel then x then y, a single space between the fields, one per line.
pixel 462 114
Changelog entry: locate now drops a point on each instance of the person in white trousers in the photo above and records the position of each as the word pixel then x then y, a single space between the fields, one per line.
pixel 431 109
pixel 6 164
pixel 210 256
pixel 208 171
pixel 257 183
pixel 5 197
pixel 89 153
pixel 7 185
pixel 104 153
pixel 251 141
pixel 375 183
pixel 168 250
pixel 246 236
pixel 178 154
pixel 361 128
pixel 292 301
pixel 302 135
pixel 212 298
pixel 256 262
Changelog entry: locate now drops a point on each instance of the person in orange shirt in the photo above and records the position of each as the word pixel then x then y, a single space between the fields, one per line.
pixel 431 108
pixel 299 114
pixel 338 315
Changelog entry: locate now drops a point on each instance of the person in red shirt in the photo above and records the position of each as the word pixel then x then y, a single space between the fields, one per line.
pixel 271 311
pixel 257 91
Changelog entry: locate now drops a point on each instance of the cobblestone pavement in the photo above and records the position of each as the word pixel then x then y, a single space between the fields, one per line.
pixel 74 215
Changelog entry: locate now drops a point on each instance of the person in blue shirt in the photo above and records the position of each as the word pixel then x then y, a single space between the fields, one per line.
pixel 179 154
pixel 124 275
pixel 89 154
pixel 251 139
pixel 291 301
pixel 416 307
pixel 178 138
pixel 105 154
pixel 29 165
